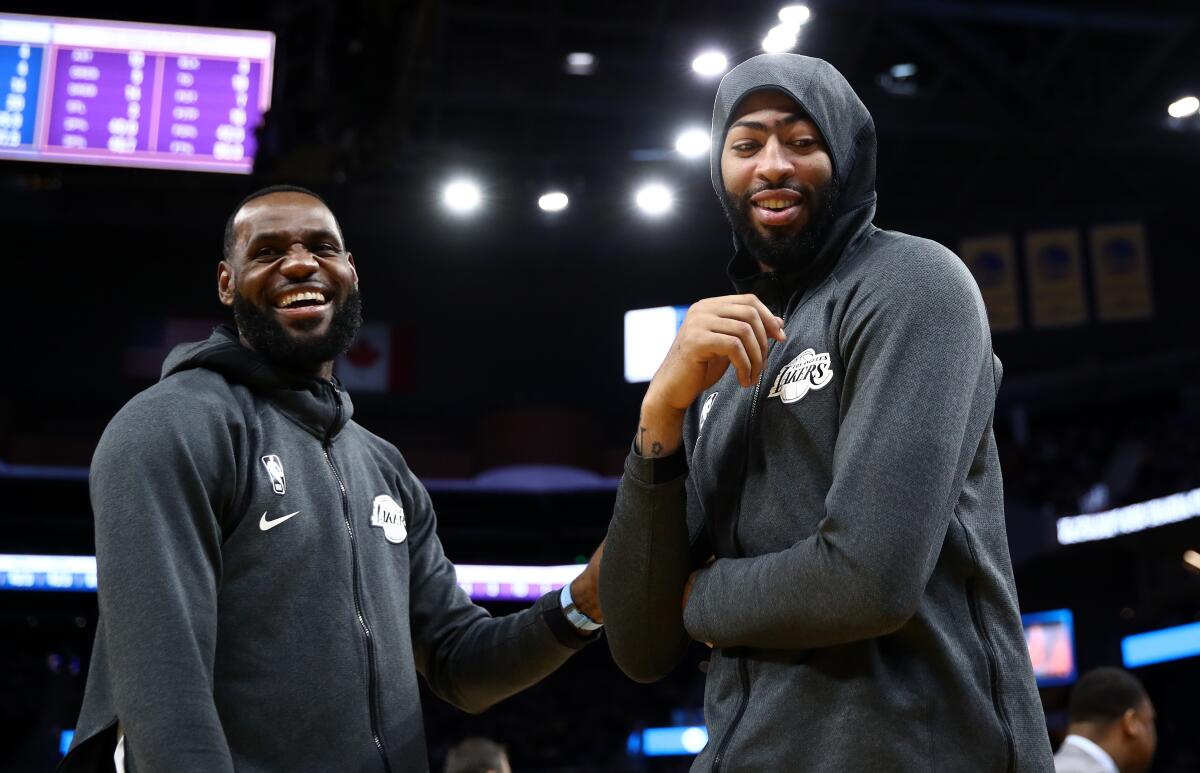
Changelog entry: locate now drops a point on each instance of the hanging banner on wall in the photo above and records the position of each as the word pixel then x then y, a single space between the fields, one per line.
pixel 1055 271
pixel 992 260
pixel 1121 272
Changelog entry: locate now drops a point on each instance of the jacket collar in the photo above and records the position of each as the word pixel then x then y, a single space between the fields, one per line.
pixel 321 407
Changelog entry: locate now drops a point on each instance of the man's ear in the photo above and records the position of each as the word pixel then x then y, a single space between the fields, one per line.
pixel 1131 725
pixel 226 286
pixel 353 270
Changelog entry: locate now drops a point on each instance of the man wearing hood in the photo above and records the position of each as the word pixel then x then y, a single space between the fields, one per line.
pixel 270 576
pixel 827 513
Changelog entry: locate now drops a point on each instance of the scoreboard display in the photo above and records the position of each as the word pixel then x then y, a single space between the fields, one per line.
pixel 82 91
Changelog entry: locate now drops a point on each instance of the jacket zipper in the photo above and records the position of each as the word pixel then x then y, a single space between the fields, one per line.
pixel 743 667
pixel 993 675
pixel 358 609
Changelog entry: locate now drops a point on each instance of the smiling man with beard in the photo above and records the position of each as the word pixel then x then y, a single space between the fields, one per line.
pixel 813 488
pixel 270 577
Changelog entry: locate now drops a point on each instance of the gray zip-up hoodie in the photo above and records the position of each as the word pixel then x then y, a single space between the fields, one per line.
pixel 271 583
pixel 861 604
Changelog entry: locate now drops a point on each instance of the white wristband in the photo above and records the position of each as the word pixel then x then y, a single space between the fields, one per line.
pixel 573 613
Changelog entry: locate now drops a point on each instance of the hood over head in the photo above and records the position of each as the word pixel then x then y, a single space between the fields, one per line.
pixel 843 120
pixel 311 401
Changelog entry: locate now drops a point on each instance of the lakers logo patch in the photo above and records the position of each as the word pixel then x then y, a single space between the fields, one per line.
pixel 808 372
pixel 389 516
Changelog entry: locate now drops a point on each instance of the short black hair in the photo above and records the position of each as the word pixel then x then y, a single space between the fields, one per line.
pixel 1103 695
pixel 475 755
pixel 230 237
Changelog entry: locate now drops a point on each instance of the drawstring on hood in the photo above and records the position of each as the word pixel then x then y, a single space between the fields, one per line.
pixel 843 120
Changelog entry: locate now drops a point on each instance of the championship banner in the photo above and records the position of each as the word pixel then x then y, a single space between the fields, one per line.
pixel 379 360
pixel 992 260
pixel 1055 278
pixel 1121 272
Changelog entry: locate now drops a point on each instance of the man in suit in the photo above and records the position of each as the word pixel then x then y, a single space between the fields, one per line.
pixel 1111 728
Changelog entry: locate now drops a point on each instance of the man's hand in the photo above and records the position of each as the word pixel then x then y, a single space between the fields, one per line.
pixel 585 589
pixel 716 333
pixel 691 580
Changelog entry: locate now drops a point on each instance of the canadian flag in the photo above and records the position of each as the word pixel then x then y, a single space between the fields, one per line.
pixel 377 361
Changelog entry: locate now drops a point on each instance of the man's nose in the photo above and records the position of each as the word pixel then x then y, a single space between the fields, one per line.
pixel 774 165
pixel 299 263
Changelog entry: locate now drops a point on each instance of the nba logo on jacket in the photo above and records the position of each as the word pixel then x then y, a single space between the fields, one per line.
pixel 809 371
pixel 389 516
pixel 275 470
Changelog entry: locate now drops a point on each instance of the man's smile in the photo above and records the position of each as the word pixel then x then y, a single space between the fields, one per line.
pixel 302 304
pixel 776 207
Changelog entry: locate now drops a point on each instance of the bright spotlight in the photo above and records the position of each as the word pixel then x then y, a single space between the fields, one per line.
pixel 462 196
pixel 581 63
pixel 692 143
pixel 1182 108
pixel 710 63
pixel 780 38
pixel 553 202
pixel 654 199
pixel 904 70
pixel 795 16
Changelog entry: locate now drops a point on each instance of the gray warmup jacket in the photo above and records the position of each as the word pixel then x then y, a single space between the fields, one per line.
pixel 271 583
pixel 861 605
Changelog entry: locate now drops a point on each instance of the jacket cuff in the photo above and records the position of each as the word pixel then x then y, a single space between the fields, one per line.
pixel 556 620
pixel 654 471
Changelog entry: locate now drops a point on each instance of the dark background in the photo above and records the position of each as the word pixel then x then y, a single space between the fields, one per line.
pixel 1021 116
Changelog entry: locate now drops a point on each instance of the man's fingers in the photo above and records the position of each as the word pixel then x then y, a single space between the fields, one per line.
pixel 773 324
pixel 750 316
pixel 730 345
pixel 744 332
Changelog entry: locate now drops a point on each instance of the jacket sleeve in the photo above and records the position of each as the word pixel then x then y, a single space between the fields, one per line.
pixel 158 480
pixel 648 555
pixel 918 394
pixel 469 658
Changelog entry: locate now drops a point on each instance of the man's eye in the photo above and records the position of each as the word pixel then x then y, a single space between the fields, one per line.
pixel 328 248
pixel 804 142
pixel 745 147
pixel 265 252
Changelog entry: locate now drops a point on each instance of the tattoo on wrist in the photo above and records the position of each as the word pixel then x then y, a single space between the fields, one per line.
pixel 656 449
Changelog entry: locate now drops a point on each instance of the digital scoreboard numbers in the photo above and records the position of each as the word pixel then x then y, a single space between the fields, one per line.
pixel 95 92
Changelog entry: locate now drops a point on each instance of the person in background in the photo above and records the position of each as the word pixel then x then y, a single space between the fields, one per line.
pixel 1111 726
pixel 477 755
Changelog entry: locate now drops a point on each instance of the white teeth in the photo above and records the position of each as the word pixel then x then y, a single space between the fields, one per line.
pixel 775 204
pixel 288 300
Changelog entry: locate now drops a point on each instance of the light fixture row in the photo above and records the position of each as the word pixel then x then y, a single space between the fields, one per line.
pixel 463 196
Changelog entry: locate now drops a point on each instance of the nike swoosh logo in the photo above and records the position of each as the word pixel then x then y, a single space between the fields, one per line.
pixel 264 524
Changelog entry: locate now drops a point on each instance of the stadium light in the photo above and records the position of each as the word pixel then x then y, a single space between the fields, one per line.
pixel 692 143
pixel 795 16
pixel 1182 108
pixel 654 199
pixel 581 63
pixel 781 37
pixel 904 70
pixel 462 196
pixel 710 63
pixel 555 201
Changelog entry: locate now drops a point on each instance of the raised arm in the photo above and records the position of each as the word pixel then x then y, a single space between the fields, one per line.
pixel 471 659
pixel 652 539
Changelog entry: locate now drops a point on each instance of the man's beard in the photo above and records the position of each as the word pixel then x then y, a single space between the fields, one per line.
pixel 268 337
pixel 784 252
